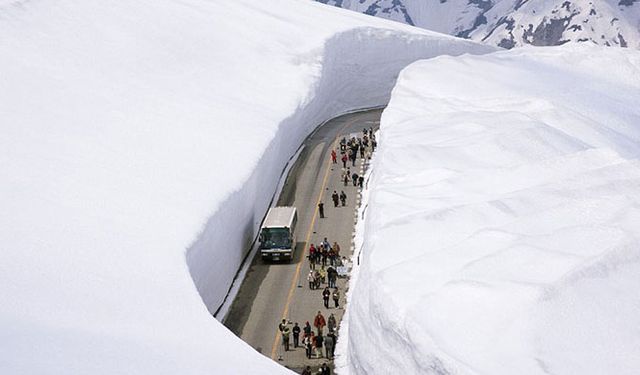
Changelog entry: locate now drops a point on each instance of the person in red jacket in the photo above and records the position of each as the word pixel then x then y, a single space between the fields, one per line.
pixel 319 322
pixel 344 160
pixel 334 156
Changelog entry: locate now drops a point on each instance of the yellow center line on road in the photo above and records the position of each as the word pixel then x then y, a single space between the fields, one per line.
pixel 276 342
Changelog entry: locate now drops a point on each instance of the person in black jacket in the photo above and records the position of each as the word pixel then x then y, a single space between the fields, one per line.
pixel 326 294
pixel 296 334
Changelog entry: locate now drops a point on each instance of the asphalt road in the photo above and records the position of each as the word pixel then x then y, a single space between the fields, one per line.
pixel 271 292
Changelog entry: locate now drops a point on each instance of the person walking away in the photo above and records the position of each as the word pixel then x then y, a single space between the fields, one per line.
pixel 312 257
pixel 360 181
pixel 328 346
pixel 326 294
pixel 331 323
pixel 319 342
pixel 336 197
pixel 321 210
pixel 311 344
pixel 335 341
pixel 344 159
pixel 331 276
pixel 323 274
pixel 354 178
pixel 362 152
pixel 336 297
pixel 324 254
pixel 307 329
pixel 319 322
pixel 334 156
pixel 312 280
pixel 343 198
pixel 285 338
pixel 316 279
pixel 332 258
pixel 296 334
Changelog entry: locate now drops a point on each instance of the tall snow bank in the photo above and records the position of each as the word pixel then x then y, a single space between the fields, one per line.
pixel 135 130
pixel 501 234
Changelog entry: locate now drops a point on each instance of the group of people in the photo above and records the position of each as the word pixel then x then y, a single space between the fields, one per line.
pixel 313 341
pixel 323 254
pixel 325 262
pixel 349 149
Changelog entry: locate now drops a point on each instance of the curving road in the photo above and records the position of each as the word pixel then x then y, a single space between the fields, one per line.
pixel 271 292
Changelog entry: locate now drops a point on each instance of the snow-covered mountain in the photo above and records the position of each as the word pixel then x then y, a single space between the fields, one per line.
pixel 511 23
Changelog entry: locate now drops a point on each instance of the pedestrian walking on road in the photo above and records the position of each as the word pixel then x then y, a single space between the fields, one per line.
pixel 344 159
pixel 306 371
pixel 331 323
pixel 332 259
pixel 321 210
pixel 311 279
pixel 328 346
pixel 336 248
pixel 360 181
pixel 319 342
pixel 326 244
pixel 354 178
pixel 312 257
pixel 285 338
pixel 343 198
pixel 316 279
pixel 334 156
pixel 336 297
pixel 319 322
pixel 325 370
pixel 326 294
pixel 322 274
pixel 309 342
pixel 296 334
pixel 336 197
pixel 332 275
pixel 307 329
pixel 282 325
pixel 335 341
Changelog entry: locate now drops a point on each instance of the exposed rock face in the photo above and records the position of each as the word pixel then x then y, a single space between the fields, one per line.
pixel 512 23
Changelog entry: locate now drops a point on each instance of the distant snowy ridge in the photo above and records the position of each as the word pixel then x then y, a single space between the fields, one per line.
pixel 512 23
pixel 501 231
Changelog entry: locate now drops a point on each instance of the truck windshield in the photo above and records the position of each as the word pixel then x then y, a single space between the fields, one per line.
pixel 275 238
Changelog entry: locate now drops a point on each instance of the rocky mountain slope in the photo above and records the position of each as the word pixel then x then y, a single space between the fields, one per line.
pixel 512 23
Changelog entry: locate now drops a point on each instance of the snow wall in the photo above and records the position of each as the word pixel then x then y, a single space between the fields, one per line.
pixel 501 233
pixel 358 70
pixel 132 131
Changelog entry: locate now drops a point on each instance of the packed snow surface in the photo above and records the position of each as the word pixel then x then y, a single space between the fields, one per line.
pixel 502 228
pixel 141 142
